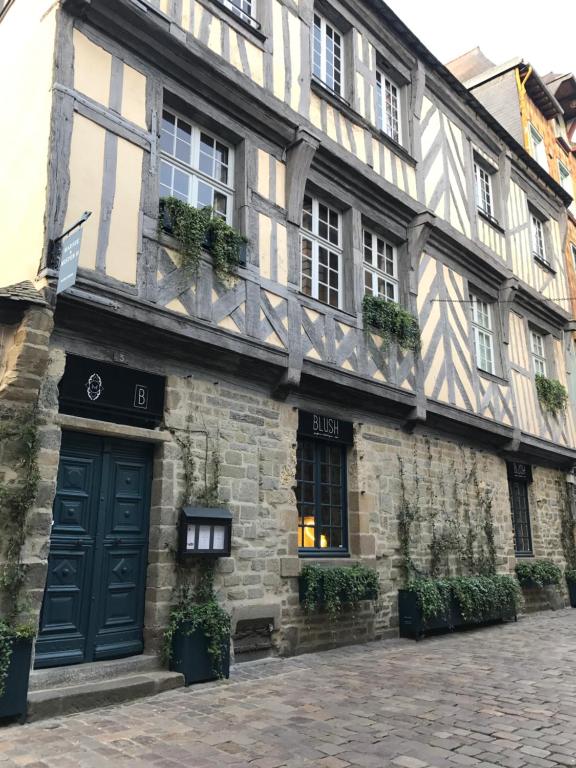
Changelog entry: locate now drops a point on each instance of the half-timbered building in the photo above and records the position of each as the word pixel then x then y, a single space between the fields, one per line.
pixel 355 164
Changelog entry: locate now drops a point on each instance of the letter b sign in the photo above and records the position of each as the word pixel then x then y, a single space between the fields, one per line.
pixel 141 396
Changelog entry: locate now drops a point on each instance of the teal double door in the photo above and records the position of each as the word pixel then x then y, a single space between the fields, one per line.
pixel 94 597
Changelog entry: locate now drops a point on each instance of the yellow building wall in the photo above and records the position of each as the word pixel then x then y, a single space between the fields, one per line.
pixel 27 37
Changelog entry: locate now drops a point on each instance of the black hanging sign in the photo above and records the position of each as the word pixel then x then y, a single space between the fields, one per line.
pixel 325 428
pixel 518 471
pixel 110 392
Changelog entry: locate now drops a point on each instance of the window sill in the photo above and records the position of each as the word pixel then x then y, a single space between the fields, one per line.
pixel 493 377
pixel 523 555
pixel 337 101
pixel 544 264
pixel 231 18
pixel 322 554
pixel 320 306
pixel 491 220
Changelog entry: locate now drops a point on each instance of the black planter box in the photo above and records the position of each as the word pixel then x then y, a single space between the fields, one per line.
pixel 190 657
pixel 412 623
pixel 572 592
pixel 13 702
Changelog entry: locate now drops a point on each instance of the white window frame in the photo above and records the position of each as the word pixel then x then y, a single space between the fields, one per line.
pixel 244 9
pixel 567 183
pixel 318 242
pixel 538 350
pixel 320 62
pixel 484 189
pixel 192 168
pixel 573 253
pixel 538 147
pixel 538 238
pixel 386 121
pixel 483 329
pixel 372 244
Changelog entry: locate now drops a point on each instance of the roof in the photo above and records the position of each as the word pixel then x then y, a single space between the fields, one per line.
pixel 564 89
pixel 22 292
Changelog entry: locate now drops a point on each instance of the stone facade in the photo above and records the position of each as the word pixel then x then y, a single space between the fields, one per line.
pixel 225 441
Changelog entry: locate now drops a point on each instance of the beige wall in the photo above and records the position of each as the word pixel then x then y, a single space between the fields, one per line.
pixel 26 55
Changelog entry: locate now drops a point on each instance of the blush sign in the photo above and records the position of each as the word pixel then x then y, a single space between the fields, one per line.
pixel 327 428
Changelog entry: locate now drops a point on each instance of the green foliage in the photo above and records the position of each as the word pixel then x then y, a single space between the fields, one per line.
pixel 392 322
pixel 331 589
pixel 8 635
pixel 552 395
pixel 567 523
pixel 198 228
pixel 199 610
pixel 478 598
pixel 570 575
pixel 542 573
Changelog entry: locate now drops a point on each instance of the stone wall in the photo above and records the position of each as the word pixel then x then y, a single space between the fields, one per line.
pixel 227 442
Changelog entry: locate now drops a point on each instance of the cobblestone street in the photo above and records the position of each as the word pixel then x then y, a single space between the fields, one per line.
pixel 504 696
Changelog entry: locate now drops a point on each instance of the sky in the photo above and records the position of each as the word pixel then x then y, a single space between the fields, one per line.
pixel 502 29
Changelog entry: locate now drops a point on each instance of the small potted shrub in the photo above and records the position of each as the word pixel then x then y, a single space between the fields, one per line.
pixel 538 573
pixel 197 640
pixel 15 656
pixel 571 583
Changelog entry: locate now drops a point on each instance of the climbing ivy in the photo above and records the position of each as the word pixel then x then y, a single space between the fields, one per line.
pixel 197 229
pixel 19 432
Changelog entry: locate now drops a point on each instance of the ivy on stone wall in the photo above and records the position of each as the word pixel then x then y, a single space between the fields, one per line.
pixel 456 509
pixel 19 438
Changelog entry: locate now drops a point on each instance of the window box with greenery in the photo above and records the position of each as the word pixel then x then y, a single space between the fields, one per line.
pixel 392 322
pixel 15 657
pixel 198 229
pixel 334 589
pixel 570 576
pixel 538 574
pixel 552 395
pixel 197 640
pixel 428 605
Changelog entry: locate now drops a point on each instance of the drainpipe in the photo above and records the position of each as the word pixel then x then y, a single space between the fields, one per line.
pixel 521 84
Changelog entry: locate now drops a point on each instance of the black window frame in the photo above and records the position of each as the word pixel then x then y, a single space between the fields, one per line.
pixel 521 528
pixel 317 550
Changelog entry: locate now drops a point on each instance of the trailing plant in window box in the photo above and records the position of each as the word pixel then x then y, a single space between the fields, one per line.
pixel 198 228
pixel 331 589
pixel 198 627
pixel 539 573
pixel 391 321
pixel 552 395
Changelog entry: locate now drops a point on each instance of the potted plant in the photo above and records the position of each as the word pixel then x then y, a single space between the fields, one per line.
pixel 197 640
pixel 445 604
pixel 570 575
pixel 538 573
pixel 15 657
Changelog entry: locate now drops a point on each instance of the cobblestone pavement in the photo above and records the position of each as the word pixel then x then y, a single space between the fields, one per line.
pixel 502 696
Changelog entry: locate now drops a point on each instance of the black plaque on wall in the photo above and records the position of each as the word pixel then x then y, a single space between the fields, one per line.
pixel 517 471
pixel 325 428
pixel 98 390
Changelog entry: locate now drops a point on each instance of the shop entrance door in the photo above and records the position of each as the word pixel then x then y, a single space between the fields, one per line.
pixel 94 597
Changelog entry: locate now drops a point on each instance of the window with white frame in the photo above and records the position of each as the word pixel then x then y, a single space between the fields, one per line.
pixel 195 166
pixel 566 182
pixel 245 9
pixel 328 55
pixel 484 197
pixel 483 329
pixel 380 267
pixel 538 148
pixel 573 252
pixel 538 241
pixel 388 106
pixel 538 353
pixel 321 252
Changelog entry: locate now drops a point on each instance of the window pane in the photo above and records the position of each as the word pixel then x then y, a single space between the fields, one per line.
pixel 520 517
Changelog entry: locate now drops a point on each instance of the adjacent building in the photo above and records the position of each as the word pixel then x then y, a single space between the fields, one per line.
pixel 355 164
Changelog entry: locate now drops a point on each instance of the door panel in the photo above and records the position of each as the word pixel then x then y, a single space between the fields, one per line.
pixel 94 598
